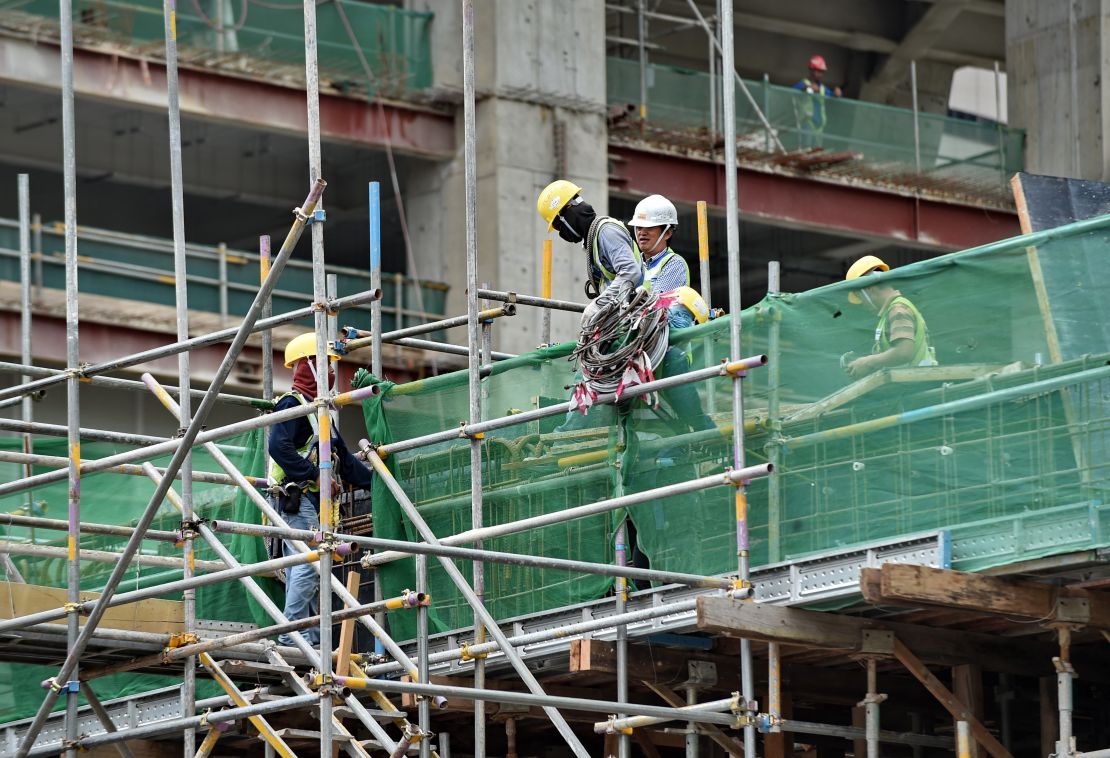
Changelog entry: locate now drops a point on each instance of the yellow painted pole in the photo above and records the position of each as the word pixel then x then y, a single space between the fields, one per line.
pixel 264 729
pixel 545 289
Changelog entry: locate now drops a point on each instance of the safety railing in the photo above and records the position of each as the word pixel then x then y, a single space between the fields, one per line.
pixel 221 280
pixel 251 37
pixel 938 151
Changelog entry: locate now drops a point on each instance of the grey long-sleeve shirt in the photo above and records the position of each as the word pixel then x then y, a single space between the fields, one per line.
pixel 614 248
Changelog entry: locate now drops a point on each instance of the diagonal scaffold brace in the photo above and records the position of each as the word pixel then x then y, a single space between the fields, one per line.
pixel 58 682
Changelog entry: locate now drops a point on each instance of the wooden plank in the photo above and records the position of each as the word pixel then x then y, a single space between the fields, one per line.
pixel 773 623
pixel 153 616
pixel 967 686
pixel 903 584
pixel 923 585
pixel 715 733
pixel 1050 725
pixel 841 397
pixel 643 739
pixel 959 710
pixel 347 627
pixel 816 629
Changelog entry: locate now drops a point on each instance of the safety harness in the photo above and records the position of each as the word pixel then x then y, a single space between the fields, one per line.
pixel 596 272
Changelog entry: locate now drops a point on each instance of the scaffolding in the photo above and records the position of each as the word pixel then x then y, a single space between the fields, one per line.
pixel 336 677
pixel 326 680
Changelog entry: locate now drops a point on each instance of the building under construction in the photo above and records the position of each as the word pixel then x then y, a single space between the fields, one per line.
pixel 748 552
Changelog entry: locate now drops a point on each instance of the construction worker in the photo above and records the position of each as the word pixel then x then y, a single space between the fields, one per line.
pixel 614 267
pixel 654 222
pixel 811 110
pixel 295 474
pixel 901 335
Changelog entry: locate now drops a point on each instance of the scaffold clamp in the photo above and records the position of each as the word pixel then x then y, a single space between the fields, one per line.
pixel 475 436
pixel 318 216
pixel 73 608
pixel 465 653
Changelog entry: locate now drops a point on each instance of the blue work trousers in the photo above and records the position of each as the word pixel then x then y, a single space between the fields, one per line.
pixel 302 583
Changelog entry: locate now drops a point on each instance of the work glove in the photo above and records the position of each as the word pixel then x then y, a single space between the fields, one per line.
pixel 363 378
pixel 618 292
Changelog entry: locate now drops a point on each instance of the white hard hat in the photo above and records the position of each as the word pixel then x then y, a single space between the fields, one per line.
pixel 654 210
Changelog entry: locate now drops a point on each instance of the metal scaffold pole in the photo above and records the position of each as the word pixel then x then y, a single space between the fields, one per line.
pixel 181 294
pixel 180 446
pixel 472 338
pixel 328 519
pixel 27 413
pixel 73 384
pixel 732 220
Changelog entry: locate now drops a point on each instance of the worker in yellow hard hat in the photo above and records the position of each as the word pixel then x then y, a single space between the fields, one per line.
pixel 614 267
pixel 901 335
pixel 295 472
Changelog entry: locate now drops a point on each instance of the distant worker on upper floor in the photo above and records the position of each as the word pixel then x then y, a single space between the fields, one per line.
pixel 614 267
pixel 812 117
pixel 901 335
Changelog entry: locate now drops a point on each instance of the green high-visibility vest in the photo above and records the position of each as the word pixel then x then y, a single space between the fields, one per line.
pixel 606 273
pixel 307 451
pixel 923 354
pixel 652 268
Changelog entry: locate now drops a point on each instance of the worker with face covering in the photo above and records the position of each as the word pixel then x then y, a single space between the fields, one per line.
pixel 295 474
pixel 614 267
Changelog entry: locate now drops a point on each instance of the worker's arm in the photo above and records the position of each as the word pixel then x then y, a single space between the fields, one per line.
pixel 351 469
pixel 899 354
pixel 285 438
pixel 614 247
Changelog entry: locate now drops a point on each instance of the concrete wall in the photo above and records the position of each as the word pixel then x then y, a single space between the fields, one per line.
pixel 1056 58
pixel 538 64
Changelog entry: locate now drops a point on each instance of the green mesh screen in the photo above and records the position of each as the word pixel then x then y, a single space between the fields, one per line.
pixel 1004 443
pixel 108 498
pixel 251 38
pixel 948 149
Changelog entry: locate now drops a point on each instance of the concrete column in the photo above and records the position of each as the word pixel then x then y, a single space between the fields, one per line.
pixel 1057 67
pixel 541 115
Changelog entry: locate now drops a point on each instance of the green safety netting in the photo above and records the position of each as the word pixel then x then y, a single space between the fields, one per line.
pixel 109 498
pixel 950 152
pixel 1005 444
pixel 394 42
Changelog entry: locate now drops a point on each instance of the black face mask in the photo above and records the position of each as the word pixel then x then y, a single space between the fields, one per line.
pixel 566 231
pixel 573 223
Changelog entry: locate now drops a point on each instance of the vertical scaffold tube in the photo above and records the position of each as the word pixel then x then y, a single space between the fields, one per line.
pixel 375 213
pixel 424 716
pixel 26 412
pixel 181 294
pixel 706 290
pixel 774 449
pixel 472 340
pixel 545 292
pixel 73 360
pixel 734 306
pixel 267 335
pixel 376 278
pixel 323 416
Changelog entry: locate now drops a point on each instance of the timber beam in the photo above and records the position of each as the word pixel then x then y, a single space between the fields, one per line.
pixel 1021 599
pixel 853 635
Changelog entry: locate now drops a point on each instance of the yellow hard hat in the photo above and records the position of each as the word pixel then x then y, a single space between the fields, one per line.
pixel 693 302
pixel 554 198
pixel 304 346
pixel 862 267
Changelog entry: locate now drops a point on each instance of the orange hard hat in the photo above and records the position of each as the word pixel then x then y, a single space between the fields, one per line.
pixel 818 62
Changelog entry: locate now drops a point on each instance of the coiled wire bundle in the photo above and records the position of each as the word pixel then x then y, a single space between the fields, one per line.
pixel 620 345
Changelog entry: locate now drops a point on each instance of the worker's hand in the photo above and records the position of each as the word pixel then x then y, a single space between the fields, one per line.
pixel 363 378
pixel 859 368
pixel 838 92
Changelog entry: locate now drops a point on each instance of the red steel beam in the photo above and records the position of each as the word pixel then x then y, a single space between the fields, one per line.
pixel 784 199
pixel 244 102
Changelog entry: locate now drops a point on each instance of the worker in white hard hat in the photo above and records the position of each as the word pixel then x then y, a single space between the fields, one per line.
pixel 901 335
pixel 295 473
pixel 654 222
pixel 614 267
